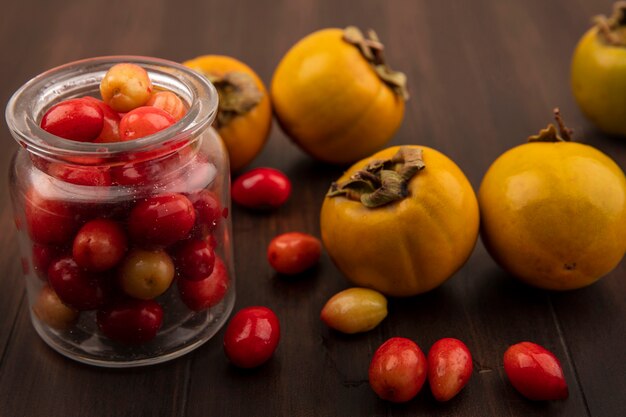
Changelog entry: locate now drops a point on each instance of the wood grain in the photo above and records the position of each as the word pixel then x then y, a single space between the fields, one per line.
pixel 483 76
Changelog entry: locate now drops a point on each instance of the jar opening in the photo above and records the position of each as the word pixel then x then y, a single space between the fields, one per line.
pixel 81 78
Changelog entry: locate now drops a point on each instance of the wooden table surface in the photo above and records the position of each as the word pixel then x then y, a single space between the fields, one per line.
pixel 483 76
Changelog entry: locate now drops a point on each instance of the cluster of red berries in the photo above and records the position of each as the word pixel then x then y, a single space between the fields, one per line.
pixel 399 369
pixel 118 257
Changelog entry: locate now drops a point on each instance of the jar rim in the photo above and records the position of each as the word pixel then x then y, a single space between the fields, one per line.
pixel 22 114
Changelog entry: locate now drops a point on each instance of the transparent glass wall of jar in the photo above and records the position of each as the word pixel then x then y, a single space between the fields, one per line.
pixel 168 194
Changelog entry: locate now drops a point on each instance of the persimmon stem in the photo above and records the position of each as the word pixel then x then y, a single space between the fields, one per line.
pixel 565 132
pixel 551 134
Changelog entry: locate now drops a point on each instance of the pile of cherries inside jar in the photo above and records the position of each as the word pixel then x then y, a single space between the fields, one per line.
pixel 122 248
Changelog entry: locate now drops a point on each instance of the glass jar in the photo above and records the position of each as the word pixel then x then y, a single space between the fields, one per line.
pixel 126 246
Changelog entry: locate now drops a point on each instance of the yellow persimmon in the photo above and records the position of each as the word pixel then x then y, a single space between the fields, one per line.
pixel 334 96
pixel 244 115
pixel 553 212
pixel 401 221
pixel 598 72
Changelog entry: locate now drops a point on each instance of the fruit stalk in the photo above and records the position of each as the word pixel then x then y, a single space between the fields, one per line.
pixel 550 133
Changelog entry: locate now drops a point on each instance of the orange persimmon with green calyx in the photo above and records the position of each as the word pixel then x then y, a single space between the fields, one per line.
pixel 401 221
pixel 336 98
pixel 598 72
pixel 244 115
pixel 553 212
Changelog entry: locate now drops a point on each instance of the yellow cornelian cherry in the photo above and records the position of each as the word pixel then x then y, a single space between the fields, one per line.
pixel 401 221
pixel 355 310
pixel 244 116
pixel 125 86
pixel 553 212
pixel 335 97
pixel 50 310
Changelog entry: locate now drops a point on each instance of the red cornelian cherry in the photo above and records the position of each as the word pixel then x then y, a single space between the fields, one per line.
pixel 144 121
pixel 208 209
pixel 194 259
pixel 76 287
pixel 48 221
pixel 294 252
pixel 251 337
pixel 535 372
pixel 43 255
pixel 205 293
pixel 168 101
pixel 131 321
pixel 161 220
pixel 76 119
pixel 137 173
pixel 80 175
pixel 111 124
pixel 398 370
pixel 449 368
pixel 99 245
pixel 261 188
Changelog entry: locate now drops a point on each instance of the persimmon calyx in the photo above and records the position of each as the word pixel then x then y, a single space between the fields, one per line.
pixel 381 181
pixel 613 28
pixel 551 134
pixel 372 50
pixel 238 94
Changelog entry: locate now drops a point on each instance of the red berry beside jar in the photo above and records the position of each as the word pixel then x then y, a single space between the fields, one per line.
pixel 252 336
pixel 122 185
